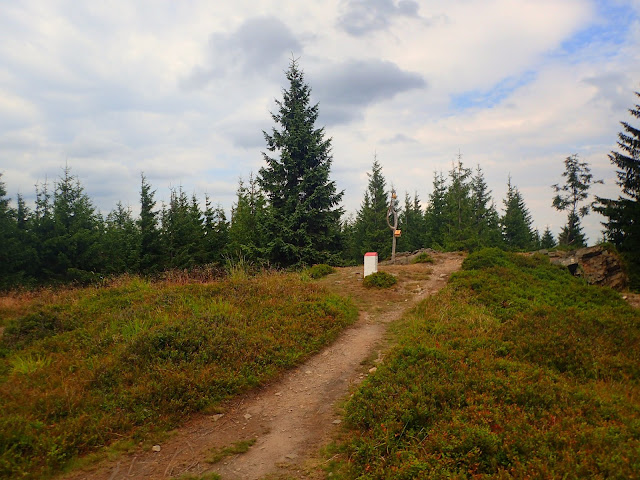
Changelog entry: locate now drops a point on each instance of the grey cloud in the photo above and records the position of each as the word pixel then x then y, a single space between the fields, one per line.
pixel 247 135
pixel 257 45
pixel 399 138
pixel 612 90
pixel 345 90
pixel 363 16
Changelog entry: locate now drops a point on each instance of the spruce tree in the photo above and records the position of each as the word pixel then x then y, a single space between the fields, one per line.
pixel 121 242
pixel 182 230
pixel 623 225
pixel 216 232
pixel 458 208
pixel 578 179
pixel 547 240
pixel 435 216
pixel 413 227
pixel 516 222
pixel 151 258
pixel 372 233
pixel 248 219
pixel 74 246
pixel 303 224
pixel 42 228
pixel 486 222
pixel 9 242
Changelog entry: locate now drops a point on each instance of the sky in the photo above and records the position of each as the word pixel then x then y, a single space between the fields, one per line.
pixel 182 90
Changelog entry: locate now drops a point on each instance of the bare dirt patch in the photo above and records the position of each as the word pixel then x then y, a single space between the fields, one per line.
pixel 632 298
pixel 293 417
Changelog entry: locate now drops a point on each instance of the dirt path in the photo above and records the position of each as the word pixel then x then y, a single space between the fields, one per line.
pixel 293 417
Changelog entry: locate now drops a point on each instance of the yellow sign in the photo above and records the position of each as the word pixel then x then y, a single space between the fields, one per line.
pixel 397 233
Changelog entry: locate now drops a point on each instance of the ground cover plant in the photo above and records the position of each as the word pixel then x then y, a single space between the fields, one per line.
pixel 423 257
pixel 515 370
pixel 379 280
pixel 131 360
pixel 320 270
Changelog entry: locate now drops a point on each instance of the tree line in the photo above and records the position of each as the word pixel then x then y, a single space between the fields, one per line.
pixel 289 214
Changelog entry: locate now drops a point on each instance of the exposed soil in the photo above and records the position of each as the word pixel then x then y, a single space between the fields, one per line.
pixel 632 298
pixel 293 417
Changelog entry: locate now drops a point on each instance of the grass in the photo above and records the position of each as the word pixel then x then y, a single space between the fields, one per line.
pixel 92 368
pixel 237 448
pixel 515 370
pixel 423 257
pixel 205 476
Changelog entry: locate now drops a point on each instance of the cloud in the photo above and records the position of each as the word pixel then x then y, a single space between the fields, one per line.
pixel 259 44
pixel 361 17
pixel 346 89
pixel 398 138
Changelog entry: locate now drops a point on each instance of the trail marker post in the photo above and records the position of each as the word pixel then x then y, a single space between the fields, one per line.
pixel 394 228
pixel 370 263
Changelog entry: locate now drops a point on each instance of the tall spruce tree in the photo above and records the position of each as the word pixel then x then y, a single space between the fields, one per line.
pixel 435 219
pixel 121 241
pixel 182 231
pixel 486 221
pixel 578 179
pixel 151 258
pixel 623 225
pixel 458 209
pixel 9 241
pixel 74 247
pixel 248 218
pixel 303 224
pixel 215 231
pixel 413 226
pixel 372 233
pixel 516 222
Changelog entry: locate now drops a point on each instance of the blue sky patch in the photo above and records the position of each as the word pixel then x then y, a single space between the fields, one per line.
pixel 493 96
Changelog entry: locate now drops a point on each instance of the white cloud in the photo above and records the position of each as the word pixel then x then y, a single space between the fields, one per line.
pixel 182 90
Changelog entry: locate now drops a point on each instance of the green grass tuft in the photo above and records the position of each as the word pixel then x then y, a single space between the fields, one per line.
pixel 423 257
pixel 319 271
pixel 237 448
pixel 379 280
pixel 204 476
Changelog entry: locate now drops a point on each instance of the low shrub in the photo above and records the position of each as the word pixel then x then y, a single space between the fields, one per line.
pixel 320 270
pixel 515 370
pixel 120 363
pixel 423 257
pixel 379 280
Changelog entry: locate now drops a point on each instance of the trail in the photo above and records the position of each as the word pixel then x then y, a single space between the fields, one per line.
pixel 293 417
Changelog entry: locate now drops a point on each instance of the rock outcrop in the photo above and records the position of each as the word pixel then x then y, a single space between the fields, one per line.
pixel 597 265
pixel 405 258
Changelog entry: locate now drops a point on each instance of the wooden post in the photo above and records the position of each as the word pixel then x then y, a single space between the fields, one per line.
pixel 394 228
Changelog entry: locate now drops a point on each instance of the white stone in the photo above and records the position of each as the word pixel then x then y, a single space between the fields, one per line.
pixel 156 448
pixel 370 263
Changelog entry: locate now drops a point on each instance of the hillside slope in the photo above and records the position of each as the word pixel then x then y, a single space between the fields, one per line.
pixel 515 370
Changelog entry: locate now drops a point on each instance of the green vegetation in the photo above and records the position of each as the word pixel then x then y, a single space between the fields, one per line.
pixel 578 179
pixel 423 257
pixel 205 476
pixel 379 280
pixel 515 370
pixel 320 270
pixel 623 225
pixel 242 446
pixel 121 363
pixel 302 224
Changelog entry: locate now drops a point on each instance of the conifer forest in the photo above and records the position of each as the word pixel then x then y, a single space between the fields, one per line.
pixel 289 214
